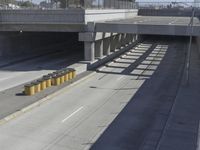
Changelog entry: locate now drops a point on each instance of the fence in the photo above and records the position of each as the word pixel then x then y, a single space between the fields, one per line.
pixel 95 4
pixel 65 4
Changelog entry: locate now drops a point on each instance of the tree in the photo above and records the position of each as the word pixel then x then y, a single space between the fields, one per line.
pixel 26 4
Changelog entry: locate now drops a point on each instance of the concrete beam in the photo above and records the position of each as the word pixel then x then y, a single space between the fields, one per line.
pixel 177 30
pixel 42 27
pixel 94 36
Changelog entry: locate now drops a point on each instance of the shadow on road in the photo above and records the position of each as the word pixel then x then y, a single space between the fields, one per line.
pixel 140 124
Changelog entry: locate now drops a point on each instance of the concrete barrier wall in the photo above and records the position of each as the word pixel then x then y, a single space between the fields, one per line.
pixel 166 12
pixel 109 14
pixel 27 43
pixel 42 16
pixel 63 16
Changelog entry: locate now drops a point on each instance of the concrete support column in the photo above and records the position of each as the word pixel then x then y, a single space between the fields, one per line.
pixel 112 43
pixel 132 38
pixel 89 52
pixel 123 39
pixel 99 49
pixel 106 46
pixel 118 41
pixel 127 38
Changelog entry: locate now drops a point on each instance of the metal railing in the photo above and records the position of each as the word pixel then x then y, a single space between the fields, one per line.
pixel 65 4
pixel 95 4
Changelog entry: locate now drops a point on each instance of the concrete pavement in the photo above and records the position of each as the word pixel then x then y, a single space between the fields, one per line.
pixel 26 71
pixel 134 91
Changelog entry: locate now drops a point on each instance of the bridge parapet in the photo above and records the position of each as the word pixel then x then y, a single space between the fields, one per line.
pixel 42 16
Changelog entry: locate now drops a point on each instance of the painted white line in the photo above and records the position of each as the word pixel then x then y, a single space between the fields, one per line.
pixel 72 114
pixel 198 138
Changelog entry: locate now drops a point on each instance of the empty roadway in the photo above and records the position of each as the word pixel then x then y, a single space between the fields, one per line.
pixel 132 90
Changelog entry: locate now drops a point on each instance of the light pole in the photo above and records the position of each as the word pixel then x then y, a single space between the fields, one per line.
pixel 190 29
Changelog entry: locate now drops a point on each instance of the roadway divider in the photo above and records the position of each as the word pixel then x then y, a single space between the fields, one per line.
pixel 53 79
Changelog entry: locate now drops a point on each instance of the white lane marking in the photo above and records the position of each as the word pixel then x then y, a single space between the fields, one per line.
pixel 72 114
pixel 198 138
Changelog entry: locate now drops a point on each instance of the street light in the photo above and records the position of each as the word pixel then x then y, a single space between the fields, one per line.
pixel 190 29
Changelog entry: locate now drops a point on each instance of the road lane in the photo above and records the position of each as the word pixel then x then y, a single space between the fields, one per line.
pixel 89 107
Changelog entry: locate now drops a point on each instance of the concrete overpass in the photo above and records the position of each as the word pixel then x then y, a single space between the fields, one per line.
pixel 154 25
pixel 99 29
pixel 136 101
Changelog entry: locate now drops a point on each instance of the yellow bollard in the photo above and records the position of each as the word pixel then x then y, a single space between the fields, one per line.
pixel 48 80
pixel 29 89
pixel 37 86
pixel 55 80
pixel 70 75
pixel 62 78
pixel 66 76
pixel 42 84
pixel 73 73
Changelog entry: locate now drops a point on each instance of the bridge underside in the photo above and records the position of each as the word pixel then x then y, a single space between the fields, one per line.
pixel 151 25
pixel 43 27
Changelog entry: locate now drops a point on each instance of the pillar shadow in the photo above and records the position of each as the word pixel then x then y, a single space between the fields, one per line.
pixel 141 122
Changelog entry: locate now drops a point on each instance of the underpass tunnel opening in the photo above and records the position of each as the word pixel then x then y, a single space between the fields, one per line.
pixel 50 50
pixel 150 52
pixel 156 66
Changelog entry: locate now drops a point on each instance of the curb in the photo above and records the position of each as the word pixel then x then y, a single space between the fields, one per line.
pixel 42 101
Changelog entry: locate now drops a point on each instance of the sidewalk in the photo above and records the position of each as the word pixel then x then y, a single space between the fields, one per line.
pixel 182 129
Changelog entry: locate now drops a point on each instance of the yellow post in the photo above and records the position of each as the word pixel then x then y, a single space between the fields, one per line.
pixel 29 89
pixel 53 79
pixel 42 84
pixel 37 87
pixel 48 80
pixel 66 76
pixel 62 78
pixel 70 75
pixel 57 80
pixel 73 73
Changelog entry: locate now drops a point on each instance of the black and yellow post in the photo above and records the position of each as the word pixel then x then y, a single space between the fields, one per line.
pixel 37 86
pixel 29 89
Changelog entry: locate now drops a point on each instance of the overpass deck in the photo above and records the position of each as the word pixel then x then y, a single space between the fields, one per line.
pixel 151 25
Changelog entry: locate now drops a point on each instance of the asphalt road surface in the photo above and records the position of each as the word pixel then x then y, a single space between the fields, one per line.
pixel 121 107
